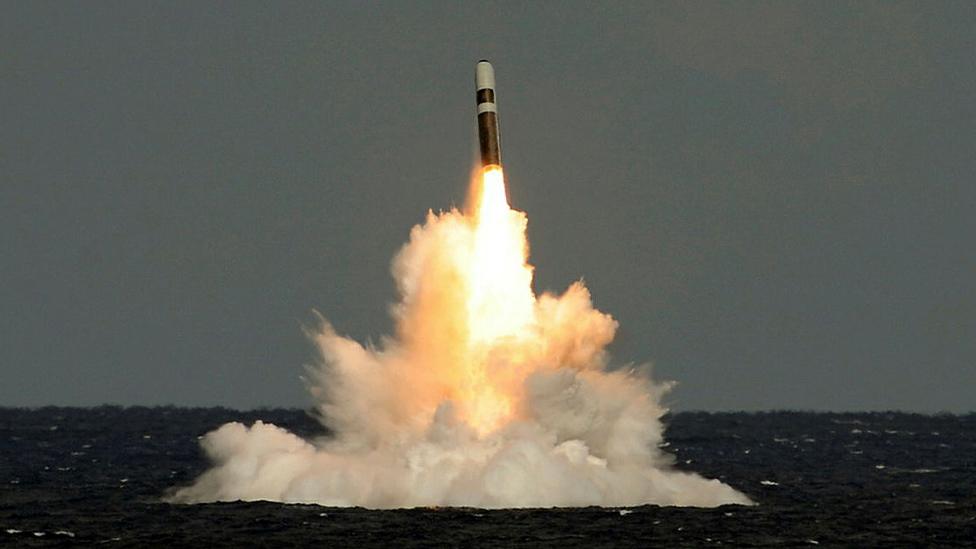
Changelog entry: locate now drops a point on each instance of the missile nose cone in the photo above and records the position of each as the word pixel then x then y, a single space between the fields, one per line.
pixel 485 75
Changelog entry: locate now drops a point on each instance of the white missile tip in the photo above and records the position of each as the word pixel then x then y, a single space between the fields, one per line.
pixel 485 75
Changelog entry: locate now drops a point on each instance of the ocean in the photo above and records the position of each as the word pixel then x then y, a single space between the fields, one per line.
pixel 87 476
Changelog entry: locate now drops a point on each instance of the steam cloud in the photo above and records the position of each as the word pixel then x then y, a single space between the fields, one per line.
pixel 452 411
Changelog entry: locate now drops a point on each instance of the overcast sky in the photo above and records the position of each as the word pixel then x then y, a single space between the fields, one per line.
pixel 776 200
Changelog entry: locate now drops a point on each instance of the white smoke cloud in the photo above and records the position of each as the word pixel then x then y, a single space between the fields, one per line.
pixel 436 416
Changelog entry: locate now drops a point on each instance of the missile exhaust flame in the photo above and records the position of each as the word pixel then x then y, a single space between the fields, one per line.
pixel 487 396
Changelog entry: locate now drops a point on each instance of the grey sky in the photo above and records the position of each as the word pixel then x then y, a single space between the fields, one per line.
pixel 775 200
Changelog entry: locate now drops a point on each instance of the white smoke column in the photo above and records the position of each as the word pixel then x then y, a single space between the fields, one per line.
pixel 486 396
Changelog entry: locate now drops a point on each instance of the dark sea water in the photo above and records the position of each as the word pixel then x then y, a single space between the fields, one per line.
pixel 72 476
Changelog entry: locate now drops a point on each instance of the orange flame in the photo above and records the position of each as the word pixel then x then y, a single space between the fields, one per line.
pixel 500 303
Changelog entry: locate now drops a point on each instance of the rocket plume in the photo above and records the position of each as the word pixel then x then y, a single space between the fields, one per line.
pixel 486 395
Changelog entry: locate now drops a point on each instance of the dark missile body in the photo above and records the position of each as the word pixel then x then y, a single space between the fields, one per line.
pixel 488 138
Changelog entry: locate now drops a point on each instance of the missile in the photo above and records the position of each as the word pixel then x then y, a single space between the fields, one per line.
pixel 491 152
